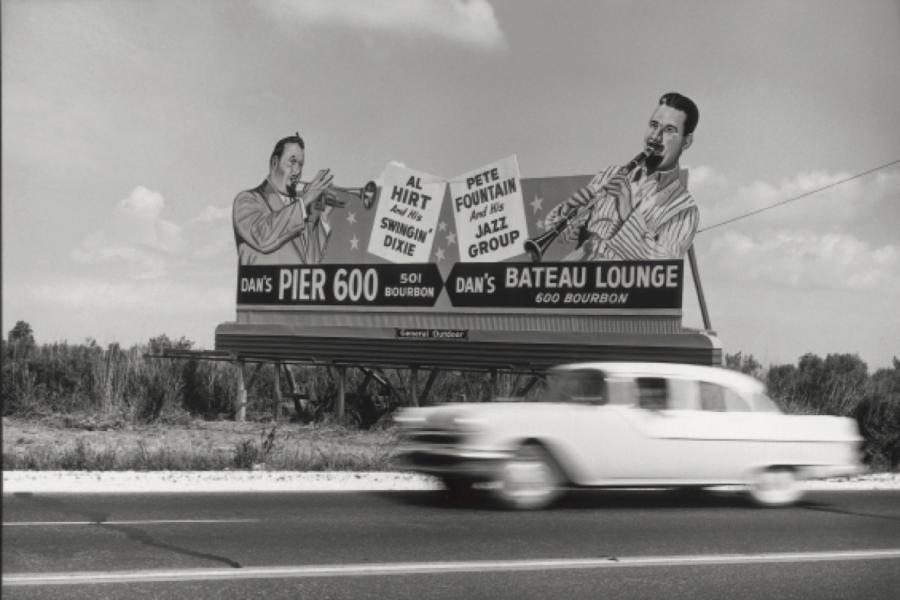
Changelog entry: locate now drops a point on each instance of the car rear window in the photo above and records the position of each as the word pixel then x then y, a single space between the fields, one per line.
pixel 652 393
pixel 717 398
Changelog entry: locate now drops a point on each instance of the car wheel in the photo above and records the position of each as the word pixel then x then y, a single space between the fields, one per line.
pixel 530 480
pixel 776 486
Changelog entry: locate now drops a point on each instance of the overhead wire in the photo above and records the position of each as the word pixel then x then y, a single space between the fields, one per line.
pixel 798 197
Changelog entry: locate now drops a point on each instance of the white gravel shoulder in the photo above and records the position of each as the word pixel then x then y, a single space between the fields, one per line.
pixel 96 482
pixel 119 482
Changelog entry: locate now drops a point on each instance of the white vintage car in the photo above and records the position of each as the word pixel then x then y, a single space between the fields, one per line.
pixel 629 425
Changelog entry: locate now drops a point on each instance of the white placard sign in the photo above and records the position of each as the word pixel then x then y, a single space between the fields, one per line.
pixel 407 215
pixel 489 212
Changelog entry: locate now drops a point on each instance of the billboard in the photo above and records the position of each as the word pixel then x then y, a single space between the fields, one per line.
pixel 482 270
pixel 486 239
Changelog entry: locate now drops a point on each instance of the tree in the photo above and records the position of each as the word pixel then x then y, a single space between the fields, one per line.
pixel 878 415
pixel 833 386
pixel 745 364
pixel 782 381
pixel 21 333
pixel 162 343
pixel 21 341
pixel 845 381
pixel 809 381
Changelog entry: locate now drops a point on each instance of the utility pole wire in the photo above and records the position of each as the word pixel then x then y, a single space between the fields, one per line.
pixel 804 195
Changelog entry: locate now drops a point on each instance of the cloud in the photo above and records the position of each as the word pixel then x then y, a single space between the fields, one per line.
pixel 815 199
pixel 140 264
pixel 465 22
pixel 220 246
pixel 123 311
pixel 138 217
pixel 705 176
pixel 160 296
pixel 213 213
pixel 802 259
pixel 137 236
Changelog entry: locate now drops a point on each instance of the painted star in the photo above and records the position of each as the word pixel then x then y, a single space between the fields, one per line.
pixel 439 253
pixel 537 204
pixel 354 243
pixel 451 238
pixel 442 226
pixel 351 218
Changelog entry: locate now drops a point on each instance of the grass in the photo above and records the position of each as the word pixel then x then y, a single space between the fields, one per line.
pixel 54 444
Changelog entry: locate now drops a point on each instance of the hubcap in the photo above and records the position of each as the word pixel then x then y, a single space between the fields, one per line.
pixel 527 478
pixel 528 481
pixel 776 487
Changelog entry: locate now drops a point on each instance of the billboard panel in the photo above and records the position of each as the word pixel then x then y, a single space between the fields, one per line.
pixel 486 239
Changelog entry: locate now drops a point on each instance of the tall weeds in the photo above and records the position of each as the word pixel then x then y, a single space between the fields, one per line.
pixel 110 384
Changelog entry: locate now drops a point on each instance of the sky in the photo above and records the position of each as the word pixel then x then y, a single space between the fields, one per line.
pixel 129 126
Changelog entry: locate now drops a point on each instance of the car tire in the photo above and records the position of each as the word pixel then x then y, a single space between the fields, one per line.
pixel 775 487
pixel 530 480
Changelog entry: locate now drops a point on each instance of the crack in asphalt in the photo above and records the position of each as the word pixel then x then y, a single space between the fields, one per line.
pixel 139 535
pixel 135 534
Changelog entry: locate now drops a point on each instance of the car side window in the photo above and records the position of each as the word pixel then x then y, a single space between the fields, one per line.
pixel 712 397
pixel 683 394
pixel 584 387
pixel 591 388
pixel 652 393
pixel 717 398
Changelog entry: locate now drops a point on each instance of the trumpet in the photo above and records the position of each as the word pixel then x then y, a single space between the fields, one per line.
pixel 339 196
pixel 536 247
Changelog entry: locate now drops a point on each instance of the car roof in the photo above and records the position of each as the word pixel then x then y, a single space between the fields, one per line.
pixel 718 375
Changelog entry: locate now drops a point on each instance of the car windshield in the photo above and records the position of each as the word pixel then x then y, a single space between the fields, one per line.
pixel 585 386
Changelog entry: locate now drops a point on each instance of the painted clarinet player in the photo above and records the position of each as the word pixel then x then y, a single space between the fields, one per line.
pixel 639 211
pixel 277 223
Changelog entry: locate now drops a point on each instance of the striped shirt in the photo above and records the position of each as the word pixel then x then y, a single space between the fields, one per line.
pixel 661 225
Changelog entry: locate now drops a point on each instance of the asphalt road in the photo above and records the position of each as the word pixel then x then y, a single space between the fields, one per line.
pixel 614 544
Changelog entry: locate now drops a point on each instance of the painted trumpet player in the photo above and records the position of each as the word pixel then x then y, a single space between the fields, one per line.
pixel 337 196
pixel 284 220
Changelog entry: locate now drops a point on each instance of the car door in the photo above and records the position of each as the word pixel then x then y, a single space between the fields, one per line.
pixel 736 433
pixel 591 436
pixel 665 415
pixel 621 441
pixel 704 432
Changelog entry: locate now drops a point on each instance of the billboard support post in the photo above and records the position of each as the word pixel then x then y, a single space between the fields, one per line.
pixel 414 386
pixel 701 299
pixel 342 385
pixel 276 412
pixel 240 401
pixel 523 391
pixel 423 397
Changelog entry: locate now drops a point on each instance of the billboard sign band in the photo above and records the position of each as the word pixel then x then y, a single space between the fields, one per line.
pixel 609 284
